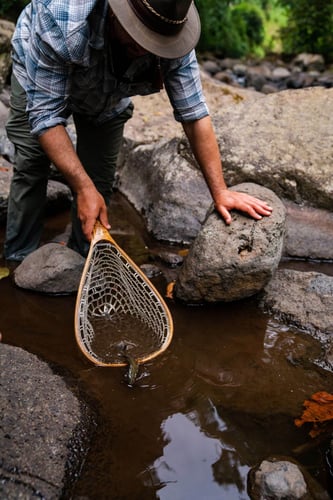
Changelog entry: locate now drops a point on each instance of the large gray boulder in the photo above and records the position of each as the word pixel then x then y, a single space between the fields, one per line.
pixel 44 432
pixel 163 183
pixel 232 262
pixel 284 141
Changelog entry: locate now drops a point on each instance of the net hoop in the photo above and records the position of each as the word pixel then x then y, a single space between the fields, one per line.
pixel 94 294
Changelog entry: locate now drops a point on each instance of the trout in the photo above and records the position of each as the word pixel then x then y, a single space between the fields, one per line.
pixel 133 366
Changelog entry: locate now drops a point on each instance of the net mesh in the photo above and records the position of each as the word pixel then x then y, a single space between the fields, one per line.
pixel 117 306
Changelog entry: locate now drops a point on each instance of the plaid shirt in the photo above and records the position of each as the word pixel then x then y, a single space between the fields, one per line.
pixel 62 61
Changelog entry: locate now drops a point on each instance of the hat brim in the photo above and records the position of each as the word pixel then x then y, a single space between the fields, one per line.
pixel 169 47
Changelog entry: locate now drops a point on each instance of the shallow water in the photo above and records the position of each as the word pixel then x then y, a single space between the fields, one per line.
pixel 220 399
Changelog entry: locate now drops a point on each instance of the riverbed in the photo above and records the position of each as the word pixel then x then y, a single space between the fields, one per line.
pixel 222 398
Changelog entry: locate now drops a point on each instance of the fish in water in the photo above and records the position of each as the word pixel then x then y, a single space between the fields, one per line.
pixel 133 366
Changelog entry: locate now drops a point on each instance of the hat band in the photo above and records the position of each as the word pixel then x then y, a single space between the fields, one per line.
pixel 154 20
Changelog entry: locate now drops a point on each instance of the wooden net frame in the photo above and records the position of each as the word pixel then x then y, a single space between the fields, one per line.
pixel 113 289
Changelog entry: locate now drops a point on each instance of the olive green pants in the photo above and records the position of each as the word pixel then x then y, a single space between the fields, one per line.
pixel 97 148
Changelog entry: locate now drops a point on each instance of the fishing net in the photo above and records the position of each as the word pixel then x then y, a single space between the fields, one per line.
pixel 117 305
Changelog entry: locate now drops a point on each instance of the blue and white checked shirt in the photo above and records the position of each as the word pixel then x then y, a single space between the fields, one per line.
pixel 62 61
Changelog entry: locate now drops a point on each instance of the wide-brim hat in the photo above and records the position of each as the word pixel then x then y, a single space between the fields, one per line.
pixel 167 28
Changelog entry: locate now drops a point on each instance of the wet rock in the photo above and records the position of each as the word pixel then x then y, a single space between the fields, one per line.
pixel 302 299
pixel 282 478
pixel 278 480
pixel 150 270
pixel 228 263
pixel 170 191
pixel 52 269
pixel 40 428
pixel 171 259
pixel 309 232
pixel 285 141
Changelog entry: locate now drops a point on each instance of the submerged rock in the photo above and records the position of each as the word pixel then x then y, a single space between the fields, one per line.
pixel 228 263
pixel 283 478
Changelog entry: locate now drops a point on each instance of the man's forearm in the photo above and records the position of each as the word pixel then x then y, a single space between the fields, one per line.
pixel 90 203
pixel 205 149
pixel 60 150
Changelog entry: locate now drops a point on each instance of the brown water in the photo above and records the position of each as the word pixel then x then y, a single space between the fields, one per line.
pixel 220 399
pixel 111 333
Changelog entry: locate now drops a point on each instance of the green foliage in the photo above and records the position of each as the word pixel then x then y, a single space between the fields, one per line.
pixel 248 20
pixel 237 28
pixel 309 27
pixel 10 9
pixel 232 29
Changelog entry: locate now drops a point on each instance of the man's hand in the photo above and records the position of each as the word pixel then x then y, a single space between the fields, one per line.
pixel 91 207
pixel 204 145
pixel 229 200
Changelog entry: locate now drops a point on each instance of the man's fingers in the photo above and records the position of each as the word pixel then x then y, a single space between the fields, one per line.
pixel 224 213
pixel 103 218
pixel 88 227
pixel 233 200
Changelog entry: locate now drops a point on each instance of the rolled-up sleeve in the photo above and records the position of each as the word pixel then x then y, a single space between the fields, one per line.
pixel 47 67
pixel 183 86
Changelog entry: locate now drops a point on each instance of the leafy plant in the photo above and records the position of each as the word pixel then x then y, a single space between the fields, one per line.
pixel 10 9
pixel 248 20
pixel 309 27
pixel 229 28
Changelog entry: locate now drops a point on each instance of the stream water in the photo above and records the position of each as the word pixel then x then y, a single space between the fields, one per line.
pixel 222 398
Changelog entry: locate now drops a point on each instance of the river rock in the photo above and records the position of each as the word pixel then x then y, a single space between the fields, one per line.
pixel 309 232
pixel 302 299
pixel 309 62
pixel 52 269
pixel 44 429
pixel 285 141
pixel 278 478
pixel 232 262
pixel 169 189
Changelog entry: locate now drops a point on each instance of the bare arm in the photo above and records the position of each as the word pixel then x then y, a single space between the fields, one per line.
pixel 91 206
pixel 204 145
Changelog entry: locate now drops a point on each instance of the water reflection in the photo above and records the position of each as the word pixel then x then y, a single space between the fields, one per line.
pixel 194 465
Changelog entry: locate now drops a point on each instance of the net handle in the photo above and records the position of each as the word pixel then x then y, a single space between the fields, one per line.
pixel 101 233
